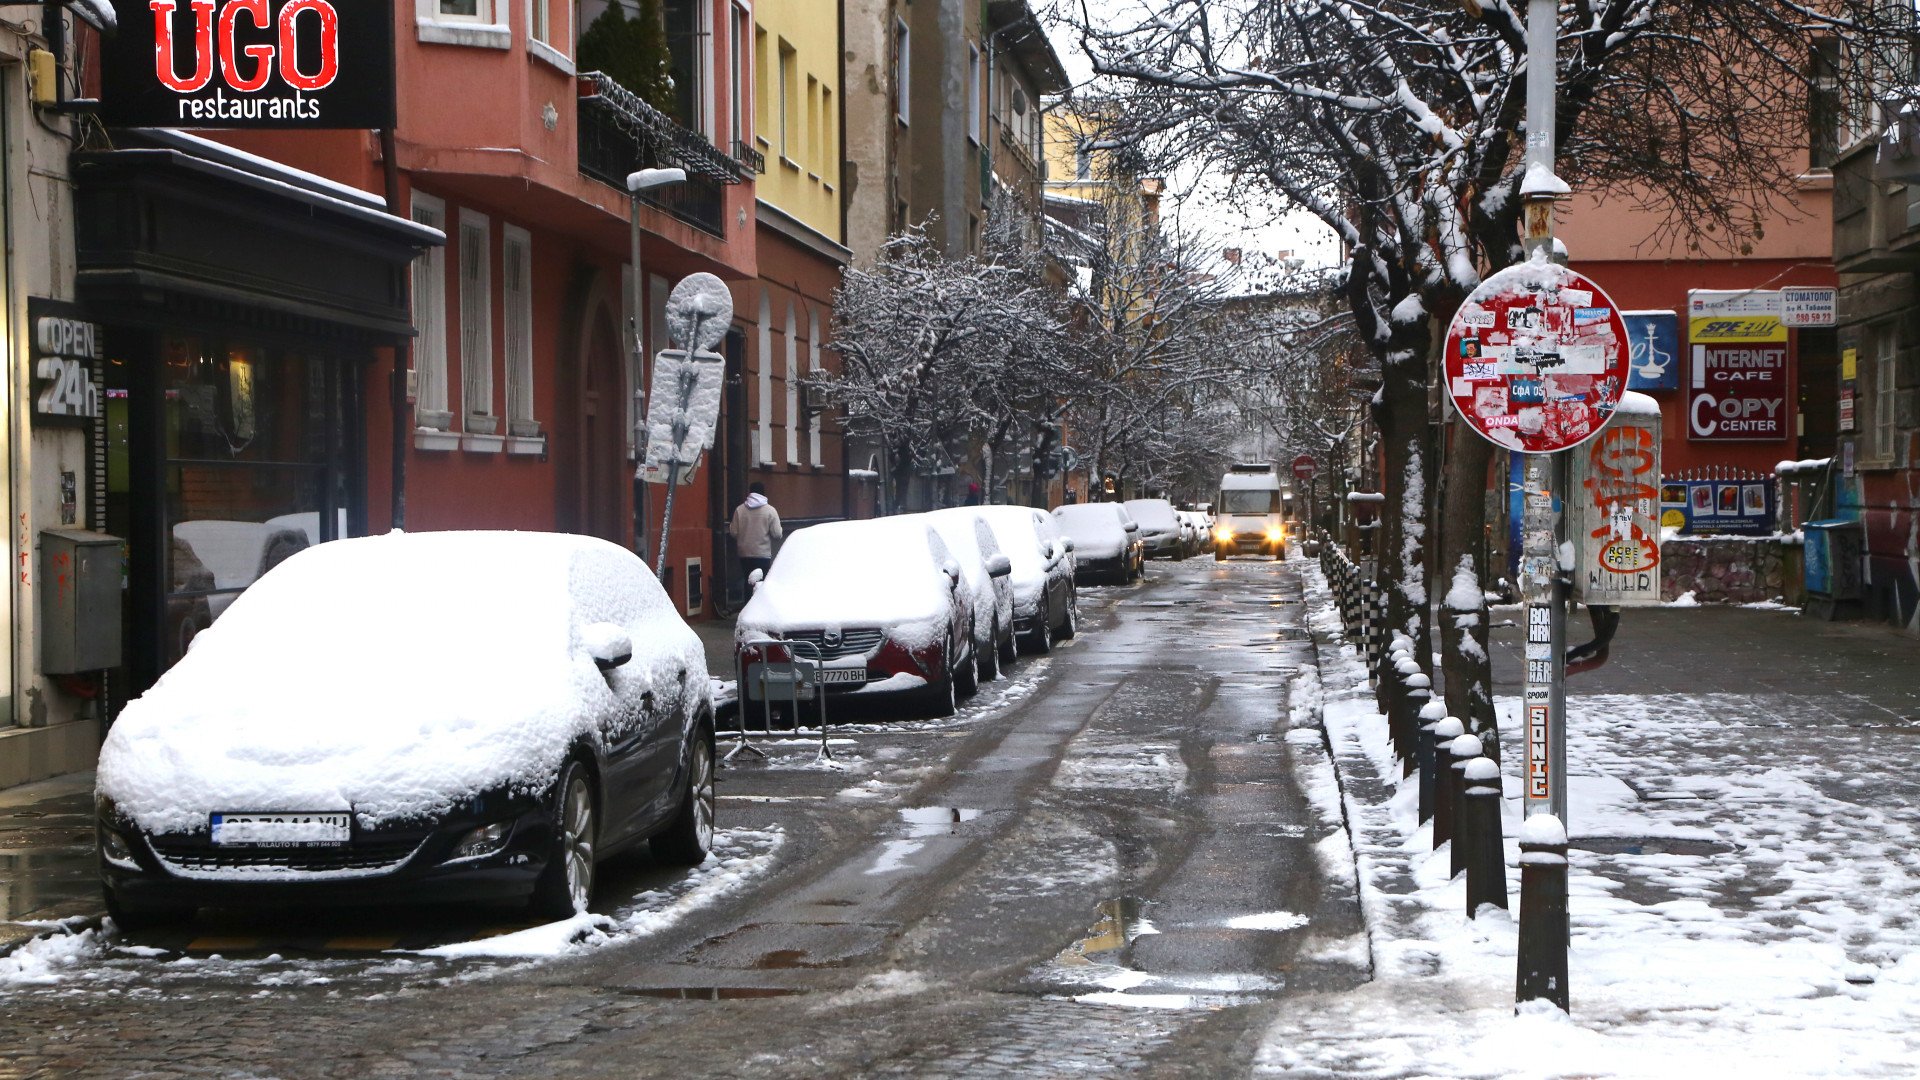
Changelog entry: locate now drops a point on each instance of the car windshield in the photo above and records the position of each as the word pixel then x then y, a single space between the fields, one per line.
pixel 1249 502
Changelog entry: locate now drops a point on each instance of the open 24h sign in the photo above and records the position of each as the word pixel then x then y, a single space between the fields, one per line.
pixel 1537 358
pixel 249 64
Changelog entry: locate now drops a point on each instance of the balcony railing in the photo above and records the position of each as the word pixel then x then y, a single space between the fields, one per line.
pixel 748 156
pixel 620 133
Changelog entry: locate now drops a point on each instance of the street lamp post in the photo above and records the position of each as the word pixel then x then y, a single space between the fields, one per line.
pixel 637 182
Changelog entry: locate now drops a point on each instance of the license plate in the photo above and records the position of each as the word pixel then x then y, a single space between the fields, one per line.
pixel 283 829
pixel 843 675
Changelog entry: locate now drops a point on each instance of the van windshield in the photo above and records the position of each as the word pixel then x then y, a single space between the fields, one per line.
pixel 1249 502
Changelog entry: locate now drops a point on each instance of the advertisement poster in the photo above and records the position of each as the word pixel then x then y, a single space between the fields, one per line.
pixel 1741 507
pixel 1653 339
pixel 1738 393
pixel 1536 358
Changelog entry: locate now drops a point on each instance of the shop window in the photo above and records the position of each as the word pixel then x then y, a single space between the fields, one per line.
pixel 430 321
pixel 476 324
pixel 516 294
pixel 793 388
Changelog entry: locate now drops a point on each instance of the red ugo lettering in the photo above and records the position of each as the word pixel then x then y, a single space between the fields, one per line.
pixel 329 45
pixel 230 54
pixel 163 58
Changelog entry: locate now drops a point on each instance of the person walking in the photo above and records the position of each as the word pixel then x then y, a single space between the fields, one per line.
pixel 755 528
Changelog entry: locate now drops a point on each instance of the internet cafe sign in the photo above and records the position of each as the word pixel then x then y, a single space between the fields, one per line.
pixel 249 64
pixel 1737 385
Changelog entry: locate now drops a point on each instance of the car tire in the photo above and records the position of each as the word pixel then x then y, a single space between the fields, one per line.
pixel 1071 624
pixel 941 699
pixel 966 678
pixel 1279 553
pixel 1219 555
pixel 565 887
pixel 133 920
pixel 1040 638
pixel 689 837
pixel 986 662
pixel 1009 650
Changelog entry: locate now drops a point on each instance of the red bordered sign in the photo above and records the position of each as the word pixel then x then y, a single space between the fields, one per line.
pixel 1537 358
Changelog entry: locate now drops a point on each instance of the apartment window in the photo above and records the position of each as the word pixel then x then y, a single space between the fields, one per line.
pixel 538 21
pixel 480 11
pixel 1886 348
pixel 1824 105
pixel 813 372
pixel 813 124
pixel 973 93
pixel 793 389
pixel 476 324
pixel 763 430
pixel 516 294
pixel 742 89
pixel 430 320
pixel 789 60
pixel 901 69
pixel 689 51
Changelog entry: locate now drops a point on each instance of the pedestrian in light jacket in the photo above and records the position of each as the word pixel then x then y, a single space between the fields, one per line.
pixel 755 528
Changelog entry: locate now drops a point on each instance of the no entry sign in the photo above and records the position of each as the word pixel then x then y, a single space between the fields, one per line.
pixel 1537 358
pixel 1305 468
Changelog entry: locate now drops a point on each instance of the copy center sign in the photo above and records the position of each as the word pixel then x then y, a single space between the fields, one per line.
pixel 1537 358
pixel 1737 373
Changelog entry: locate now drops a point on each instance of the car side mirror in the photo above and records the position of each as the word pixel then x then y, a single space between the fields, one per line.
pixel 756 576
pixel 1066 545
pixel 1133 526
pixel 608 644
pixel 999 566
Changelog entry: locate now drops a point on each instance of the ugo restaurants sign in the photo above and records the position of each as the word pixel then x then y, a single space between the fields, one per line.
pixel 249 64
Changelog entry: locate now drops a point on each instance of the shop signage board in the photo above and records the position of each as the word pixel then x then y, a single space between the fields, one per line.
pixel 1615 514
pixel 67 351
pixel 1734 303
pixel 1537 358
pixel 312 64
pixel 1737 392
pixel 1808 306
pixel 1653 340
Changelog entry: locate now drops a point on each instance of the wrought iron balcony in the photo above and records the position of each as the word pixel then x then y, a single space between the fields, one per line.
pixel 748 156
pixel 620 133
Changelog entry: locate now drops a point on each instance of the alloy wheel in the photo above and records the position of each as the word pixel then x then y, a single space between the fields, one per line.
pixel 702 783
pixel 577 840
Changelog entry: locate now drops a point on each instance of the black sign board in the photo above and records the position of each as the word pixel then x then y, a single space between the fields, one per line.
pixel 66 348
pixel 249 64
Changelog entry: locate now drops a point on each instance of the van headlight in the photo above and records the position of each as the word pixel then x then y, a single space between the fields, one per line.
pixel 1223 534
pixel 1276 534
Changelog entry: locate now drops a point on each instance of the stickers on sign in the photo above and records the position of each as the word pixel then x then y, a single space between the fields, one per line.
pixel 1481 371
pixel 1588 316
pixel 1528 391
pixel 1579 298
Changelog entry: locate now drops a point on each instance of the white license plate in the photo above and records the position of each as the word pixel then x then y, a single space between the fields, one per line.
pixel 843 675
pixel 283 829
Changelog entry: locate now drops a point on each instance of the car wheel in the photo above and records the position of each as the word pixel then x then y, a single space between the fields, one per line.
pixel 566 885
pixel 966 678
pixel 986 662
pixel 136 919
pixel 1219 554
pixel 941 698
pixel 1279 552
pixel 1040 638
pixel 1071 624
pixel 688 839
pixel 1009 650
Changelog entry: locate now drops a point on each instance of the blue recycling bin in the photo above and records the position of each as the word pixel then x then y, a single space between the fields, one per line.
pixel 1834 552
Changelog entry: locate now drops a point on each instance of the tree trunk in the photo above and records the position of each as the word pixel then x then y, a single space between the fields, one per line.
pixel 1465 665
pixel 1406 481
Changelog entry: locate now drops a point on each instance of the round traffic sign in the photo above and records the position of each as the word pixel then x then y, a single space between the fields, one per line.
pixel 1537 358
pixel 1305 468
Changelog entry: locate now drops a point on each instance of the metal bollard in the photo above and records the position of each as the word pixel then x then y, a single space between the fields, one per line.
pixel 1393 696
pixel 1486 863
pixel 1542 967
pixel 1425 759
pixel 1457 752
pixel 1419 692
pixel 1441 734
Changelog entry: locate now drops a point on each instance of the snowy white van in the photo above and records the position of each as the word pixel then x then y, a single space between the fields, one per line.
pixel 1249 517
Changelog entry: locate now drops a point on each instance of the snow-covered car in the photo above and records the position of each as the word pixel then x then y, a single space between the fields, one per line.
pixel 1106 542
pixel 1044 603
pixel 428 716
pixel 1199 534
pixel 882 600
pixel 1159 527
pixel 984 570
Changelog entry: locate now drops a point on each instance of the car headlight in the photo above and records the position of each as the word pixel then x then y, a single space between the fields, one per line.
pixel 115 849
pixel 481 842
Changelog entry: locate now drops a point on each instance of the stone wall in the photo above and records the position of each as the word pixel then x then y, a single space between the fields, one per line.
pixel 1723 569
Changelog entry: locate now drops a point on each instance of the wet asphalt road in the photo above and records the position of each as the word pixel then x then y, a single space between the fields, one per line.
pixel 1104 863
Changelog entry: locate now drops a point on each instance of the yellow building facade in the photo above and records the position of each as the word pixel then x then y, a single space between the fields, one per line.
pixel 797 109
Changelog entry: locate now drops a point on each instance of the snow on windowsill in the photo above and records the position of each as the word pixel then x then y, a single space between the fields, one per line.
pixel 472 35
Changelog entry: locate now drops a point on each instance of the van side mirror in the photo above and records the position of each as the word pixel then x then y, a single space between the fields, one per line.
pixel 608 644
pixel 999 566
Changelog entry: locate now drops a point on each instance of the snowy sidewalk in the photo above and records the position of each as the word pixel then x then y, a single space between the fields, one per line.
pixel 1743 882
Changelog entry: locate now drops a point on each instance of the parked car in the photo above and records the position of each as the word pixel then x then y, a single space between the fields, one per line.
pixel 428 716
pixel 984 571
pixel 883 602
pixel 1159 527
pixel 1198 531
pixel 1045 605
pixel 1106 542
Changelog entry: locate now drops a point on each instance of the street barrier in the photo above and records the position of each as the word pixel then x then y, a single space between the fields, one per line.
pixel 770 671
pixel 1486 862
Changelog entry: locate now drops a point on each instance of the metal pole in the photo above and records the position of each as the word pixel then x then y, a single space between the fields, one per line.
pixel 666 519
pixel 638 355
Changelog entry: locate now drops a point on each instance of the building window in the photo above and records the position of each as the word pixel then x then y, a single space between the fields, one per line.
pixel 479 11
pixel 430 320
pixel 516 295
pixel 1083 161
pixel 538 22
pixel 1886 350
pixel 476 325
pixel 813 125
pixel 741 89
pixel 1823 103
pixel 793 388
pixel 902 70
pixel 789 60
pixel 689 52
pixel 973 93
pixel 813 372
pixel 763 430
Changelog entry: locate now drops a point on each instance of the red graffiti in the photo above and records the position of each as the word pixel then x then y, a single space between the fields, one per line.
pixel 1622 461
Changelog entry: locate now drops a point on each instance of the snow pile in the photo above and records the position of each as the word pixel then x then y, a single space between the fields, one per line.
pixel 395 676
pixel 881 572
pixel 1740 905
pixel 1098 530
pixel 51 957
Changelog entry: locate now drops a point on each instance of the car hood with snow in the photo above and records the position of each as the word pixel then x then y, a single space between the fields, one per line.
pixel 1013 527
pixel 394 676
pixel 880 572
pixel 1096 529
pixel 1155 516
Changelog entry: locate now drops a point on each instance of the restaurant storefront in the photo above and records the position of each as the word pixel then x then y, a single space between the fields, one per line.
pixel 248 312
